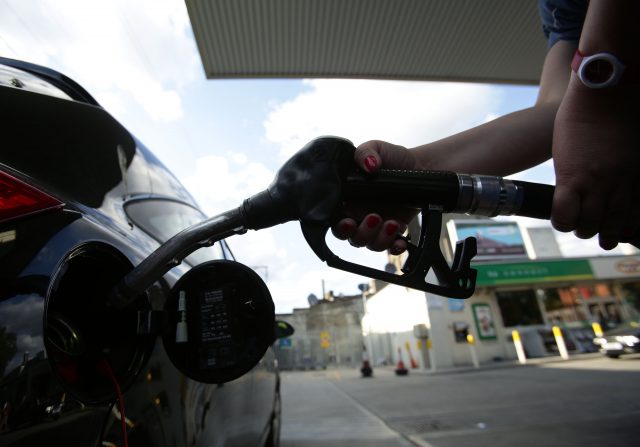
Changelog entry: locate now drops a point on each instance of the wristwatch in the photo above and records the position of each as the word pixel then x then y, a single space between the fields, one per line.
pixel 598 70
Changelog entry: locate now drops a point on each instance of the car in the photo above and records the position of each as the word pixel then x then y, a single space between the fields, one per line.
pixel 623 339
pixel 82 201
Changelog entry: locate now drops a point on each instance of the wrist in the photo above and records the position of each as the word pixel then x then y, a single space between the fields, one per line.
pixel 584 104
pixel 614 93
pixel 433 156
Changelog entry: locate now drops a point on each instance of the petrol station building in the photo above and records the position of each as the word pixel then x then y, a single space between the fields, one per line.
pixel 523 283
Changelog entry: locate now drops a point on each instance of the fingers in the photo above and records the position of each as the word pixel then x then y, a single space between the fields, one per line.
pixel 367 231
pixel 387 238
pixel 617 220
pixel 591 213
pixel 565 210
pixel 372 232
pixel 344 229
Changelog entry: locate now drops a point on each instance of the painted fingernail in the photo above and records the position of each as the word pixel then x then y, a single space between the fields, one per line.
pixel 347 227
pixel 373 221
pixel 370 163
pixel 391 229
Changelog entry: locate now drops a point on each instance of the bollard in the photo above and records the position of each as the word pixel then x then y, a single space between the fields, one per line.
pixel 472 349
pixel 522 358
pixel 597 329
pixel 432 356
pixel 562 348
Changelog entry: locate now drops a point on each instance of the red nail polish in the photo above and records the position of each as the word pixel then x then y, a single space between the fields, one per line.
pixel 391 229
pixel 371 163
pixel 346 227
pixel 373 221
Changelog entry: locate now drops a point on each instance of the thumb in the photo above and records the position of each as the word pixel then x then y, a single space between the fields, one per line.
pixel 375 154
pixel 367 156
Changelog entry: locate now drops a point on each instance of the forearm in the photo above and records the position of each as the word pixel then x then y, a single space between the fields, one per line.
pixel 612 26
pixel 513 142
pixel 506 145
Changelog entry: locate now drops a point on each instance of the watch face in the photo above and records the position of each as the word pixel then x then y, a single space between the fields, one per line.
pixel 598 71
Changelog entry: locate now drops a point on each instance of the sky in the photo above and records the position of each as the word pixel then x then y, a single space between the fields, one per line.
pixel 226 139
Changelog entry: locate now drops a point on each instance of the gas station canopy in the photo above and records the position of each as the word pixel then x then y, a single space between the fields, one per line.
pixel 489 41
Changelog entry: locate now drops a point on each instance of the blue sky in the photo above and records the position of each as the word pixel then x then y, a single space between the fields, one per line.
pixel 225 139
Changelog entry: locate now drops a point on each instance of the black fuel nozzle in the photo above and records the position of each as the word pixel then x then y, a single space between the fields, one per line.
pixel 308 187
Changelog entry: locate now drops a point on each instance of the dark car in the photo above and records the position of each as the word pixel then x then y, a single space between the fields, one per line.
pixel 82 202
pixel 624 339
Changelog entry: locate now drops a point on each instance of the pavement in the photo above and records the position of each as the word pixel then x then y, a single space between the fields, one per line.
pixel 588 400
pixel 316 412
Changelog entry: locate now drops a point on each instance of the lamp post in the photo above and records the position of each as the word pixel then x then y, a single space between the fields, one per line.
pixel 364 288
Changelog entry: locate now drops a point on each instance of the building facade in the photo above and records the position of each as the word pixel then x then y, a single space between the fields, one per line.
pixel 530 297
pixel 523 284
pixel 327 334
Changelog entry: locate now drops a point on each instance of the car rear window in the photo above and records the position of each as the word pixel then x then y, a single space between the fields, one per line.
pixel 162 219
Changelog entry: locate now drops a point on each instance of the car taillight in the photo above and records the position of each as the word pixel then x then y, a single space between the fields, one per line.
pixel 18 199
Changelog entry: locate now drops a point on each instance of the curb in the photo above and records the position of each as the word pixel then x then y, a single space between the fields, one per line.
pixel 508 364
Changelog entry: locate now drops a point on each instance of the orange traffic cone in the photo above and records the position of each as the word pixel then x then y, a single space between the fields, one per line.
pixel 366 369
pixel 401 370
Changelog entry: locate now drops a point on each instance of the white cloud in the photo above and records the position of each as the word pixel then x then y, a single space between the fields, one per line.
pixel 239 158
pixel 407 113
pixel 223 182
pixel 143 49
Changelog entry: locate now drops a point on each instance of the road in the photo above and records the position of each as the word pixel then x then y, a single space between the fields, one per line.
pixel 590 402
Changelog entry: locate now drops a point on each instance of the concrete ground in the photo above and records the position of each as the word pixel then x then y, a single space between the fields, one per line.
pixel 587 402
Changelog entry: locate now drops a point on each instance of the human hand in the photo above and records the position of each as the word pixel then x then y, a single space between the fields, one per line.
pixel 596 153
pixel 369 224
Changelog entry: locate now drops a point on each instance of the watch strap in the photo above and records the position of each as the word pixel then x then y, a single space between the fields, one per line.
pixel 630 74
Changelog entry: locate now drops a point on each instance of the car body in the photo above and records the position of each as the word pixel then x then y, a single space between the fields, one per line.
pixel 623 339
pixel 82 202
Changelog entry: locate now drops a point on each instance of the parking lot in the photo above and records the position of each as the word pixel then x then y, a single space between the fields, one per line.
pixel 588 402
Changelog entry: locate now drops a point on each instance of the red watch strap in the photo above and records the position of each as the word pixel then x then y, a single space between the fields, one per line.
pixel 577 60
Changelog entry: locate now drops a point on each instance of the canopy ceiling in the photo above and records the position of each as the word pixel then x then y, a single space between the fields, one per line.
pixel 495 41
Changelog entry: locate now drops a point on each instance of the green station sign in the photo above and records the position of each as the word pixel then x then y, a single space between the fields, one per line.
pixel 532 271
